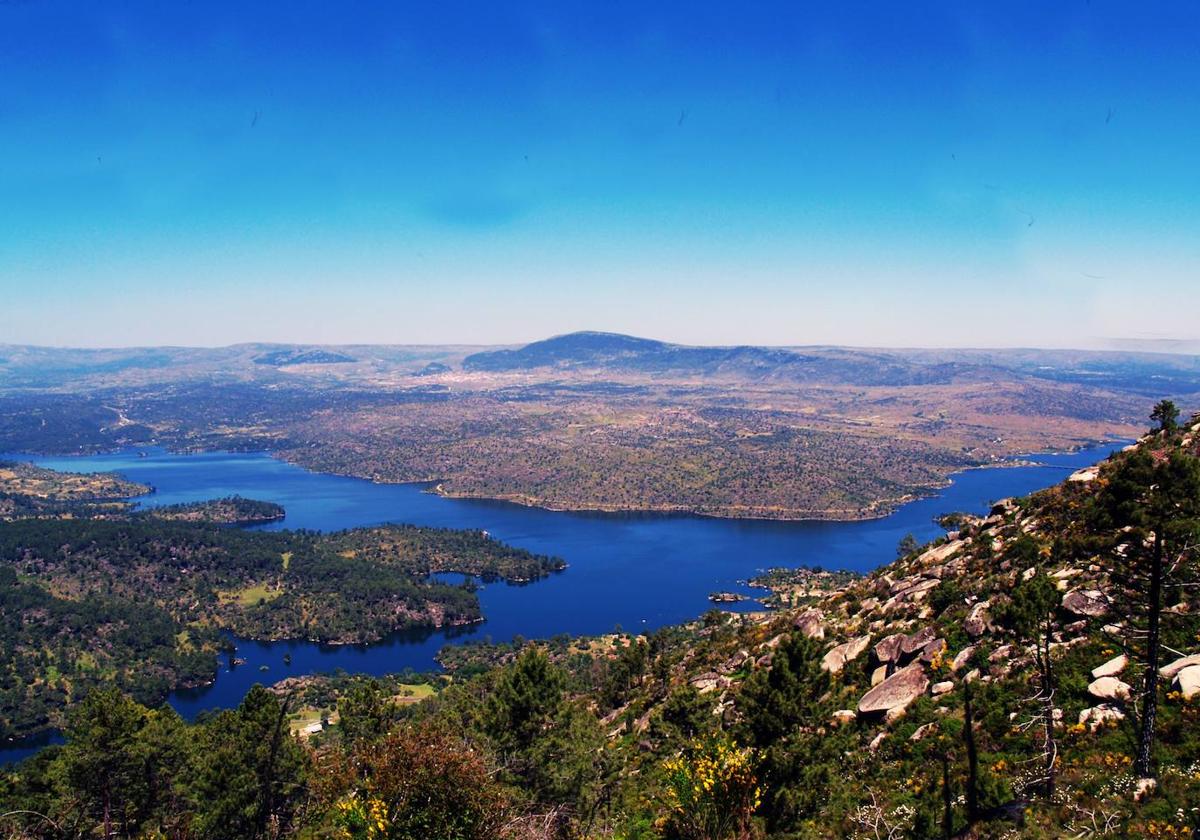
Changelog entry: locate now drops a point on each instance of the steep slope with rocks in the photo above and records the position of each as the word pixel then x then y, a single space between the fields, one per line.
pixel 1035 673
pixel 908 639
pixel 936 692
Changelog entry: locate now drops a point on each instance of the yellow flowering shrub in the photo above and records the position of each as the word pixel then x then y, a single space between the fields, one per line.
pixel 1162 828
pixel 712 790
pixel 938 666
pixel 418 782
pixel 361 818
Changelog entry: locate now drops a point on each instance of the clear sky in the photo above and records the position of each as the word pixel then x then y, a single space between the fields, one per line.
pixel 883 173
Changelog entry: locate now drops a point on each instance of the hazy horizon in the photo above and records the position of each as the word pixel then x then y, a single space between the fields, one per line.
pixel 1172 347
pixel 848 175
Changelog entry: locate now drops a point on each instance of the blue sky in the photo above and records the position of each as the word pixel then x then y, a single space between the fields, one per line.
pixel 860 173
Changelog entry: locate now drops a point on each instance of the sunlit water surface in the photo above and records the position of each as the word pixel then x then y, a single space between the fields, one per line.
pixel 634 571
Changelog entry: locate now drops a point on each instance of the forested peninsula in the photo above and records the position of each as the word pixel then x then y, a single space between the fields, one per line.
pixel 143 601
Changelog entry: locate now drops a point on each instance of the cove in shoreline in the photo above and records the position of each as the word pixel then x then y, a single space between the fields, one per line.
pixel 635 571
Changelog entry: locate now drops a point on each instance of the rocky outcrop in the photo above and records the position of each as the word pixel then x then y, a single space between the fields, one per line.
pixel 1100 716
pixel 734 663
pixel 705 683
pixel 1000 661
pixel 1001 653
pixel 898 649
pixel 917 641
pixel 887 650
pixel 1189 681
pixel 923 732
pixel 896 692
pixel 962 657
pixel 1084 475
pixel 932 650
pixel 909 590
pixel 837 658
pixel 1109 688
pixel 978 620
pixel 1111 668
pixel 810 624
pixel 1062 576
pixel 940 553
pixel 1085 602
pixel 1169 672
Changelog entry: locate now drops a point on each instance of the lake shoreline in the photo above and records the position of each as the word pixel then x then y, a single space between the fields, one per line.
pixel 638 571
pixel 879 510
pixel 875 510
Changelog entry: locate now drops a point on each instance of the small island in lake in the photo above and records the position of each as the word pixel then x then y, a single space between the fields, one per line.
pixel 801 586
pixel 231 510
pixel 726 597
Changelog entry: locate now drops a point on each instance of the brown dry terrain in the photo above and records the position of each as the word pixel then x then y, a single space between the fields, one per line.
pixel 29 480
pixel 30 491
pixel 754 452
pixel 600 422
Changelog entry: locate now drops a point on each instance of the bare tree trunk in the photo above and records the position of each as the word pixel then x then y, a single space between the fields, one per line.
pixel 1048 712
pixel 1142 766
pixel 972 755
pixel 267 805
pixel 947 799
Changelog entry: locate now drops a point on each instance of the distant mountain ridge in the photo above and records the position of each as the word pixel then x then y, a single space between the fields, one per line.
pixel 287 357
pixel 587 347
pixel 1141 373
pixel 582 350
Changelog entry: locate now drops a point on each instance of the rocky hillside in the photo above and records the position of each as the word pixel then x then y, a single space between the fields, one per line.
pixel 1040 612
pixel 988 685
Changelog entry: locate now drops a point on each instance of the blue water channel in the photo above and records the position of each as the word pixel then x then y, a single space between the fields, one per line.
pixel 633 571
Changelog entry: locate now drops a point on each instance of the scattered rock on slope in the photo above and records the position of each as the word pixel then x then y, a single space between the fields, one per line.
pixel 896 692
pixel 977 620
pixel 1169 672
pixel 917 641
pixel 1109 688
pixel 888 648
pixel 809 623
pixel 1084 475
pixel 841 717
pixel 1098 716
pixel 1111 668
pixel 837 658
pixel 1086 602
pixel 939 553
pixel 1189 681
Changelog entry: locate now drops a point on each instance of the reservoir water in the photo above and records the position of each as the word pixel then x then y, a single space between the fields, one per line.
pixel 633 571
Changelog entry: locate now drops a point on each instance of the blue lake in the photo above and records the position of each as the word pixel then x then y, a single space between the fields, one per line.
pixel 634 571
